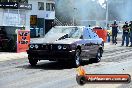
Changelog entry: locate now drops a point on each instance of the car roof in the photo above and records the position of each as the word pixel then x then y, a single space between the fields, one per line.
pixel 81 27
pixel 69 26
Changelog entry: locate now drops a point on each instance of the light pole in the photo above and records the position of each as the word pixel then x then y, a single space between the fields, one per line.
pixel 74 16
pixel 73 21
pixel 107 8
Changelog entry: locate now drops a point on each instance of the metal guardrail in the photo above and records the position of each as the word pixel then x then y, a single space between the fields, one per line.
pixel 58 22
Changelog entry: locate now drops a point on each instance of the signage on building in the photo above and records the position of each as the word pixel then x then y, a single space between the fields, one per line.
pixel 25 6
pixel 50 15
pixel 15 5
pixel 23 40
pixel 11 5
pixel 33 20
pixel 14 19
pixel 11 19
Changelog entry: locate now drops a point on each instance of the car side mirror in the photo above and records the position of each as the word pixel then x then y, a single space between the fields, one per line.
pixel 81 37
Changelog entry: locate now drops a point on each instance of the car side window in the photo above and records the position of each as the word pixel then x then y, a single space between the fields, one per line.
pixel 86 34
pixel 89 36
pixel 93 34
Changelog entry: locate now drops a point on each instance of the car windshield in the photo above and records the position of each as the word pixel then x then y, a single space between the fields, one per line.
pixel 73 32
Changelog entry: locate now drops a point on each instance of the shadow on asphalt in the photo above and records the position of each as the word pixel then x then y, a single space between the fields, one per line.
pixel 52 65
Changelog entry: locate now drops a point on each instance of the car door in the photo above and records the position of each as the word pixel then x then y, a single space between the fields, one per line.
pixel 87 44
pixel 86 48
pixel 94 44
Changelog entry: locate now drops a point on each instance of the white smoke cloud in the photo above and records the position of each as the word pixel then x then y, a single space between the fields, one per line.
pixel 121 9
pixel 80 10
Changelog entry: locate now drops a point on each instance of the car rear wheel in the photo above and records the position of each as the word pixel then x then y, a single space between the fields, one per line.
pixel 32 61
pixel 102 49
pixel 101 52
pixel 77 60
pixel 98 56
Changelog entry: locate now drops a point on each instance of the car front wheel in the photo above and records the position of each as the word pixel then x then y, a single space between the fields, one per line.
pixel 98 56
pixel 32 61
pixel 77 60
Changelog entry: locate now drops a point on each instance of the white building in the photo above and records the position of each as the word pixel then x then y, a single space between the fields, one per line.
pixel 34 15
pixel 44 10
pixel 27 14
pixel 14 17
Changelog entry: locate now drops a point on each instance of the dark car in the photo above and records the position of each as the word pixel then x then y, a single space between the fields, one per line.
pixel 66 43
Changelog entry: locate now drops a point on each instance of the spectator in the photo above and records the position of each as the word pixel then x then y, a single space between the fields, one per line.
pixel 125 35
pixel 114 32
pixel 130 26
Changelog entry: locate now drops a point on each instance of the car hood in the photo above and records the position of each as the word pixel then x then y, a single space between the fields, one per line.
pixel 53 39
pixel 66 41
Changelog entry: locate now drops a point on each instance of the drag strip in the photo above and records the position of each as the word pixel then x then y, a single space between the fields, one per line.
pixel 19 74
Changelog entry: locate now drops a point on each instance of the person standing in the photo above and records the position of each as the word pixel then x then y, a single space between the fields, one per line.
pixel 125 35
pixel 130 26
pixel 114 32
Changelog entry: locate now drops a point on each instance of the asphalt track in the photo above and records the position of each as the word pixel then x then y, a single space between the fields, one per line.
pixel 17 73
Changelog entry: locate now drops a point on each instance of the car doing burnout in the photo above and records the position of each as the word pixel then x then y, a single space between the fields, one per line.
pixel 66 43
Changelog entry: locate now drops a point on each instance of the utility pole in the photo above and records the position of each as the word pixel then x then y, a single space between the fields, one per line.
pixel 73 21
pixel 74 16
pixel 107 12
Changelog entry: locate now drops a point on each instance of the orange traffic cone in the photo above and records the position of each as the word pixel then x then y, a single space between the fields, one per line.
pixel 81 71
